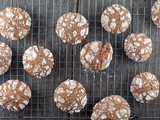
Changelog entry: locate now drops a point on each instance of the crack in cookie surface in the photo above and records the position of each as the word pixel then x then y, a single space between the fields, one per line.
pixel 70 96
pixel 15 23
pixel 95 57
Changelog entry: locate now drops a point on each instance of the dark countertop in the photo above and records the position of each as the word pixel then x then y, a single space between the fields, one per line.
pixel 114 80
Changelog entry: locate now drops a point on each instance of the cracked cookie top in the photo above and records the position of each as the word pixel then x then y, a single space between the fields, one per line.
pixel 38 61
pixel 96 57
pixel 116 19
pixel 5 58
pixel 72 28
pixel 138 47
pixel 70 96
pixel 145 87
pixel 155 11
pixel 14 95
pixel 113 107
pixel 15 23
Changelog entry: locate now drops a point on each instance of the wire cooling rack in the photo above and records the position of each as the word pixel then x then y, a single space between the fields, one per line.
pixel 114 80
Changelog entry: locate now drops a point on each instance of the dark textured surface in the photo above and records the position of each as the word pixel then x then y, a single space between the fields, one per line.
pixel 114 80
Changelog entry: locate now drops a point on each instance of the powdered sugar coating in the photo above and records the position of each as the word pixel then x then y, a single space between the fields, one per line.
pixel 116 19
pixel 138 47
pixel 145 87
pixel 38 61
pixel 5 57
pixel 95 57
pixel 72 28
pixel 155 11
pixel 15 23
pixel 14 95
pixel 113 107
pixel 70 96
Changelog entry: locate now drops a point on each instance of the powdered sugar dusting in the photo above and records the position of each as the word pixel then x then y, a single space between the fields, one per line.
pixel 145 87
pixel 14 18
pixel 95 57
pixel 109 21
pixel 38 61
pixel 111 108
pixel 72 28
pixel 13 96
pixel 76 94
pixel 138 47
pixel 5 57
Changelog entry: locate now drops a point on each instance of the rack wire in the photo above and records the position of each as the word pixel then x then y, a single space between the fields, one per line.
pixel 114 80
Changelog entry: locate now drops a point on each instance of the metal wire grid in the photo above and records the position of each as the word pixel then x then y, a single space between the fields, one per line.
pixel 114 80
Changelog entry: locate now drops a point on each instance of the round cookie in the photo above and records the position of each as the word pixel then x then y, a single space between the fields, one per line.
pixel 138 47
pixel 15 23
pixel 155 11
pixel 96 57
pixel 145 87
pixel 70 96
pixel 38 61
pixel 116 19
pixel 113 107
pixel 72 28
pixel 14 95
pixel 5 57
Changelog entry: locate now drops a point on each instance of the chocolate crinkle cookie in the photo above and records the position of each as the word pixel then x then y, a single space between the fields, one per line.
pixel 116 19
pixel 113 107
pixel 5 57
pixel 145 87
pixel 38 61
pixel 14 95
pixel 96 57
pixel 138 47
pixel 70 96
pixel 155 11
pixel 72 28
pixel 15 23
